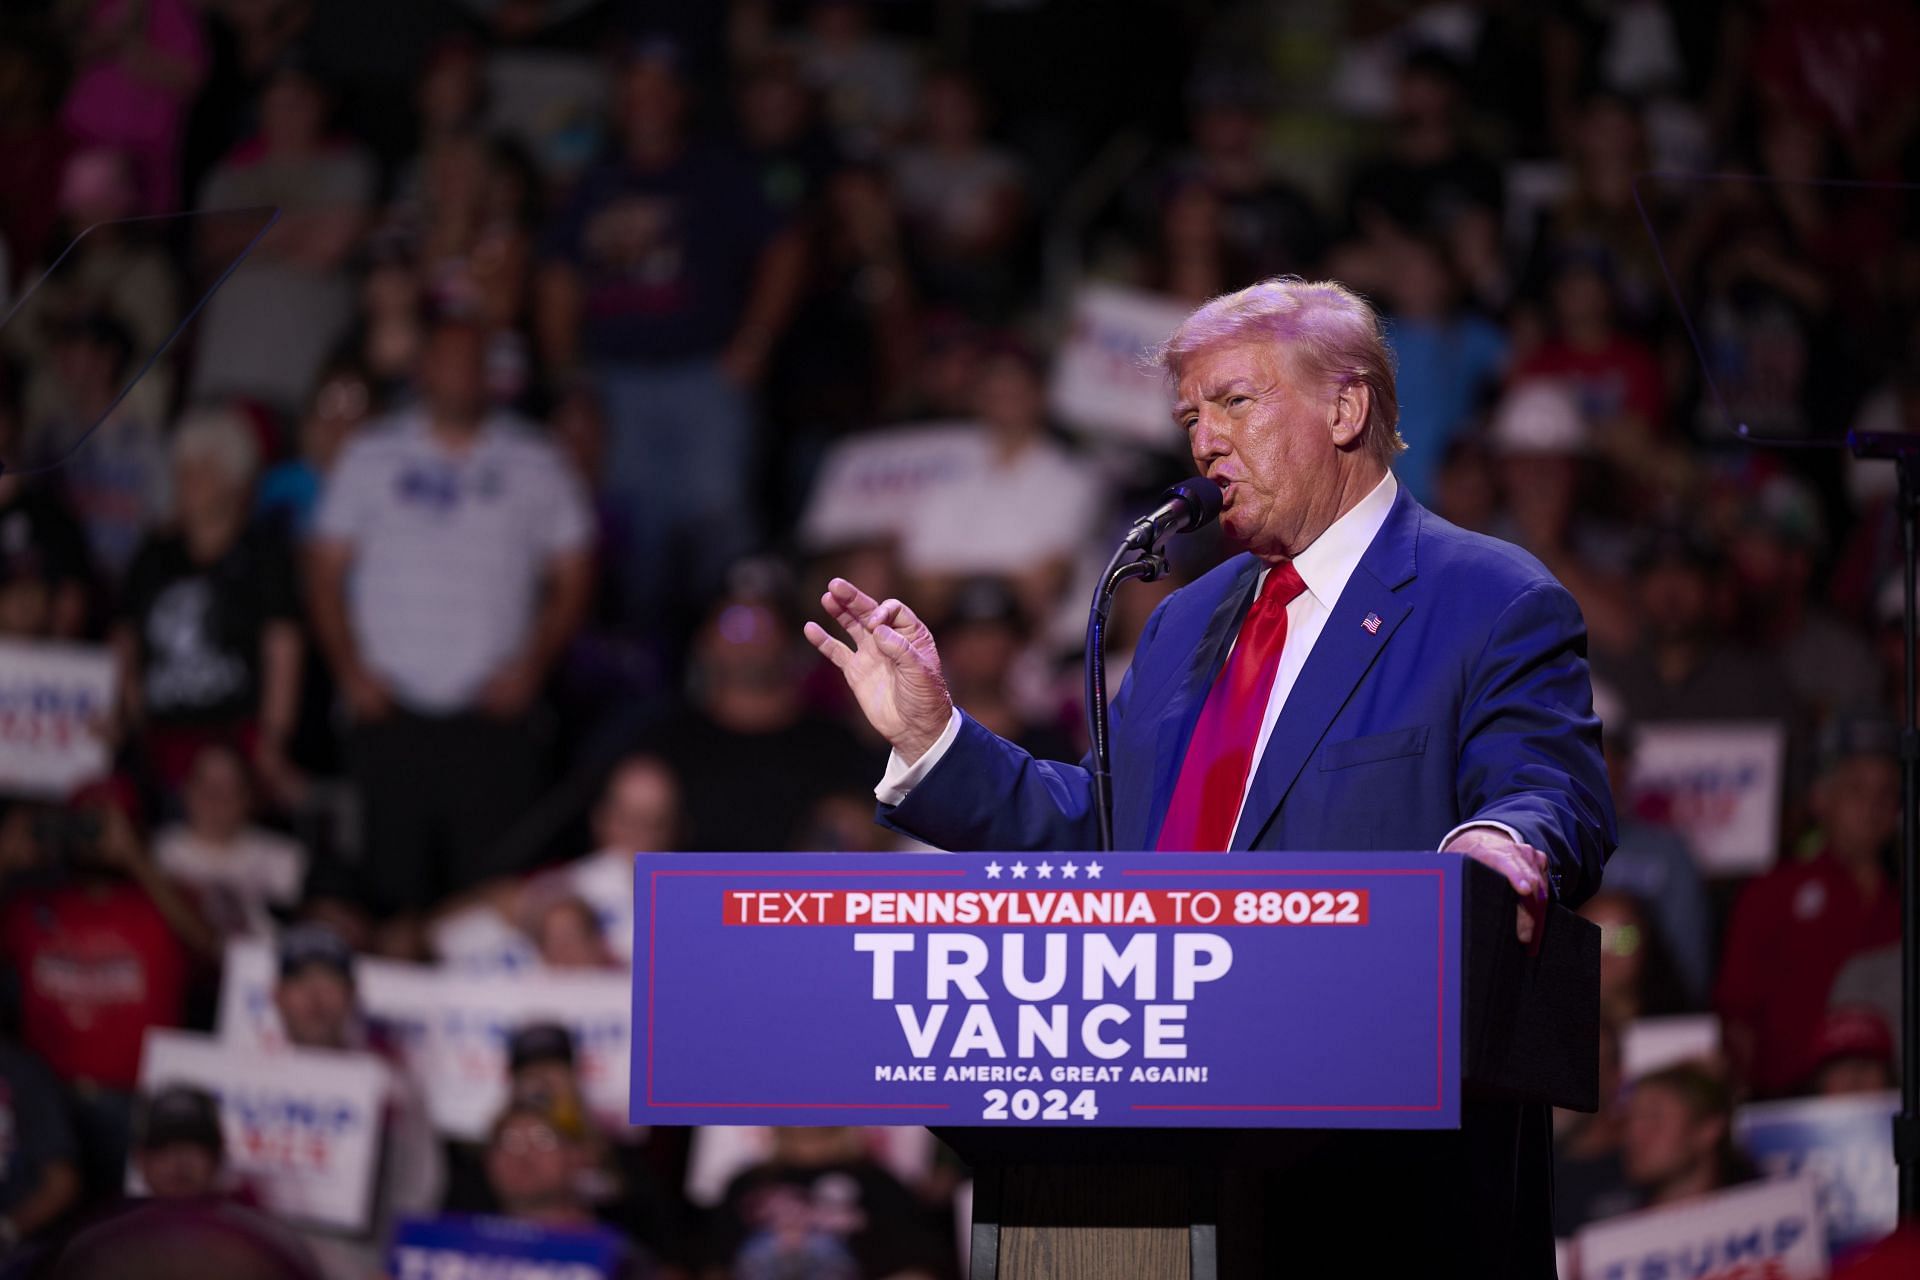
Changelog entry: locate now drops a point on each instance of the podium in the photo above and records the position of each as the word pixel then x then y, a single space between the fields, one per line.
pixel 1121 1046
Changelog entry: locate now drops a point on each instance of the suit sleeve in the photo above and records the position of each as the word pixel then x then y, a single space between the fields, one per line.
pixel 1530 743
pixel 988 794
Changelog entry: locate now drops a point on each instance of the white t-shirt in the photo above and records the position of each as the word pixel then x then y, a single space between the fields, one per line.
pixel 1006 516
pixel 450 552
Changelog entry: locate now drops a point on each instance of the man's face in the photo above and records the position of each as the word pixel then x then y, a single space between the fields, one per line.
pixel 569 937
pixel 216 795
pixel 1858 803
pixel 1010 397
pixel 530 1166
pixel 1267 440
pixel 1664 1140
pixel 178 1170
pixel 1674 599
pixel 315 1005
pixel 652 97
pixel 641 809
pixel 453 371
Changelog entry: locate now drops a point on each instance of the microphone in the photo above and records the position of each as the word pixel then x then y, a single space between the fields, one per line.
pixel 1191 504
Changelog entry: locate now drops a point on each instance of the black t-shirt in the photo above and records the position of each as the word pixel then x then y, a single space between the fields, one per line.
pixel 1426 197
pixel 199 626
pixel 39 537
pixel 751 792
pixel 666 256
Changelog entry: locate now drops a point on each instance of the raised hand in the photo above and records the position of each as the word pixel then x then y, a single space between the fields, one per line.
pixel 893 667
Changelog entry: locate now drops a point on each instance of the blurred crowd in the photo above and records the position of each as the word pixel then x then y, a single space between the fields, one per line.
pixel 457 548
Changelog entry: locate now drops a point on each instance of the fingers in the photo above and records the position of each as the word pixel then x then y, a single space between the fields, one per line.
pixel 847 598
pixel 1531 924
pixel 892 643
pixel 1527 870
pixel 843 613
pixel 861 616
pixel 904 619
pixel 832 650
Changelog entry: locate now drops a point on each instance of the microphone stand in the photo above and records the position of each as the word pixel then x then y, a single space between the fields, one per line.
pixel 1139 557
pixel 1904 451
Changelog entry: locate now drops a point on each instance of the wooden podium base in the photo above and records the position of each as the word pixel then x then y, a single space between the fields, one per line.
pixel 1093 1222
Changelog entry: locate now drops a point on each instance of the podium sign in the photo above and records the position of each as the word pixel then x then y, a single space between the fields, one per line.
pixel 1064 990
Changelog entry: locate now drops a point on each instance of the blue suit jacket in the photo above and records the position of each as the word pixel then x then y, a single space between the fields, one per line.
pixel 1470 700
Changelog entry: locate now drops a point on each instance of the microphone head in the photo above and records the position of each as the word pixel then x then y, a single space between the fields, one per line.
pixel 1201 497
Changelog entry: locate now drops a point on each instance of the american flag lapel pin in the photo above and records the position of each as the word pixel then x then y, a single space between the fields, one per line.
pixel 1372 623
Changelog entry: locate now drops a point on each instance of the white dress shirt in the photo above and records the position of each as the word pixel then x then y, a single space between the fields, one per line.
pixel 1324 566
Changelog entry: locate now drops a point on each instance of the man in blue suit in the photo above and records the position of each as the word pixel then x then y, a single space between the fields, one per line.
pixel 1365 677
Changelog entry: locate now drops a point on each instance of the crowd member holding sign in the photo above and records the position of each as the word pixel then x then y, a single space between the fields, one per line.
pixel 1794 929
pixel 237 871
pixel 822 1205
pixel 316 1000
pixel 1679 1135
pixel 102 947
pixel 535 1157
pixel 1362 650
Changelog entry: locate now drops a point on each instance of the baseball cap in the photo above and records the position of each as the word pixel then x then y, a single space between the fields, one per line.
pixel 1851 1031
pixel 309 944
pixel 1845 736
pixel 179 1113
pixel 539 1042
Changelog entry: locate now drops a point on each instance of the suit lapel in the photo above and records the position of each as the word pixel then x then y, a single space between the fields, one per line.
pixel 1175 724
pixel 1342 654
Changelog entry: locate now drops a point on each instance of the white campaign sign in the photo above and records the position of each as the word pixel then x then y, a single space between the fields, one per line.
pixel 451 1027
pixel 1718 784
pixel 870 485
pixel 1649 1044
pixel 302 1127
pixel 51 697
pixel 1100 384
pixel 1767 1229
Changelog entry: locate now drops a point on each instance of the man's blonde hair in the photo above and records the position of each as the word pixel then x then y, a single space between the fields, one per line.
pixel 1331 334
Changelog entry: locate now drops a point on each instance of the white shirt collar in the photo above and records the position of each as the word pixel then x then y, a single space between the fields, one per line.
pixel 1326 565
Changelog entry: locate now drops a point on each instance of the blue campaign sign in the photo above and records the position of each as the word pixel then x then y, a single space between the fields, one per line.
pixel 1280 990
pixel 1845 1145
pixel 459 1247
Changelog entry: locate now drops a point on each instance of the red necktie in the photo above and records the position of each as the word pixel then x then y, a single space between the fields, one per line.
pixel 1213 777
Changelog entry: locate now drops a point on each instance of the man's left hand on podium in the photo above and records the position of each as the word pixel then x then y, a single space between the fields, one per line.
pixel 1525 868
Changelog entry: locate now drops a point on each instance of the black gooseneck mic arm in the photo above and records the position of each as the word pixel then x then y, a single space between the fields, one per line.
pixel 1187 506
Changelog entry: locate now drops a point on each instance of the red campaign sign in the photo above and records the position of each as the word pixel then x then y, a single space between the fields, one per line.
pixel 1044 907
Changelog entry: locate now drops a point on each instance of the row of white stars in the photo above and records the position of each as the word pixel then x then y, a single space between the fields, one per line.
pixel 1044 870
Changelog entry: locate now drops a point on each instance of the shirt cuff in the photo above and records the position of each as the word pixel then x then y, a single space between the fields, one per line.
pixel 902 777
pixel 1501 827
pixel 1553 876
